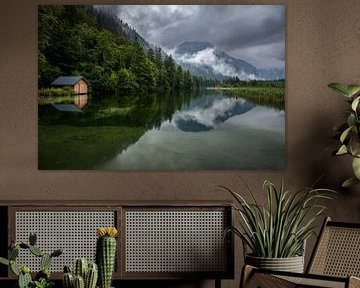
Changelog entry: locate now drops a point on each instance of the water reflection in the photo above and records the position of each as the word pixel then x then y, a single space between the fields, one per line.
pixel 81 100
pixel 77 103
pixel 206 112
pixel 210 133
pixel 205 131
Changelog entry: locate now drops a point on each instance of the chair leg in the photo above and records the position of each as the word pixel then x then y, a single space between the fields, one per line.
pixel 354 282
pixel 263 280
pixel 246 274
pixel 250 278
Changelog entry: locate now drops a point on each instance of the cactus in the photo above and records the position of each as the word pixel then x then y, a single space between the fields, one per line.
pixel 105 254
pixel 68 280
pixel 23 273
pixel 79 282
pixel 80 267
pixel 13 253
pixel 57 252
pixel 43 274
pixel 67 269
pixel 88 273
pixel 36 251
pixel 45 261
pixel 24 279
pixel 91 276
pixel 14 268
pixel 24 245
pixel 4 261
pixel 32 239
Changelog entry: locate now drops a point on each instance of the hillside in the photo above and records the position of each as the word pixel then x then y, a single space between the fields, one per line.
pixel 81 40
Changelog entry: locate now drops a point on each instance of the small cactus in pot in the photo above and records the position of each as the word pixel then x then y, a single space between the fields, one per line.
pixel 85 275
pixel 106 254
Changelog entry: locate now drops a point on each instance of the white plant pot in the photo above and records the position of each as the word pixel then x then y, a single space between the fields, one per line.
pixel 291 264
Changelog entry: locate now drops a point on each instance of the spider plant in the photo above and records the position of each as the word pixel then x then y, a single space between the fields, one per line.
pixel 279 229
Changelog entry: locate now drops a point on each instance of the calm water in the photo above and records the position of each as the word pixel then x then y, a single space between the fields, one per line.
pixel 209 131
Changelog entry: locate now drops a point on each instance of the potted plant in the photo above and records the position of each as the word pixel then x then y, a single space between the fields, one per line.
pixel 349 131
pixel 106 254
pixel 84 274
pixel 42 278
pixel 276 233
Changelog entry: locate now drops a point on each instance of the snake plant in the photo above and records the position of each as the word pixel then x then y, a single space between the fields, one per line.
pixel 349 131
pixel 279 228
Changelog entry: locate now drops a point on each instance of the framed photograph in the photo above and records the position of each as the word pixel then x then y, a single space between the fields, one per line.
pixel 161 87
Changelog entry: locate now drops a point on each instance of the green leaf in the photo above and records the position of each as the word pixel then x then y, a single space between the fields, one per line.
pixel 4 261
pixel 342 150
pixel 351 120
pixel 345 134
pixel 349 182
pixel 353 89
pixel 14 268
pixel 355 145
pixel 341 89
pixel 355 103
pixel 279 228
pixel 356 167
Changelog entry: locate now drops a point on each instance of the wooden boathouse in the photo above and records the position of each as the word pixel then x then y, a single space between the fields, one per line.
pixel 79 84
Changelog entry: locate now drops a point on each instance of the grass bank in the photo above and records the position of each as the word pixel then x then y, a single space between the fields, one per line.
pixel 268 96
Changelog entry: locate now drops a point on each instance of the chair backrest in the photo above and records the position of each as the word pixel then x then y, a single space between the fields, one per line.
pixel 337 251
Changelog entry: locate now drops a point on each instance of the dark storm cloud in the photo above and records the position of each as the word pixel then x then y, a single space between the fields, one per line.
pixel 249 32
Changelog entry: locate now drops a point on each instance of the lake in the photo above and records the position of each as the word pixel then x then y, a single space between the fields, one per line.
pixel 209 130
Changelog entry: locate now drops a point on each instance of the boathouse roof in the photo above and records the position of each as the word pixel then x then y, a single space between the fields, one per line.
pixel 67 80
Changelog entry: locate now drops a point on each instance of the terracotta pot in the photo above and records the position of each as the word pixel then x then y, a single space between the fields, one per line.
pixel 291 264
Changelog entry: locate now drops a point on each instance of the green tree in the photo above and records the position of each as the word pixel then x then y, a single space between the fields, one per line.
pixel 179 78
pixel 127 81
pixel 169 66
pixel 143 69
pixel 158 58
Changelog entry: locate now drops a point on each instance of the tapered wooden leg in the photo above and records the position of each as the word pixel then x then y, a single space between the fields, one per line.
pixel 246 274
pixel 354 282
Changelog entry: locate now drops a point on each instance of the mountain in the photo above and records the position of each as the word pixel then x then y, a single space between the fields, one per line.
pixel 200 58
pixel 206 112
pixel 113 23
pixel 192 47
pixel 206 60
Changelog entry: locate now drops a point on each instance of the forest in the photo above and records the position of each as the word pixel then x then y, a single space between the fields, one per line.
pixel 73 40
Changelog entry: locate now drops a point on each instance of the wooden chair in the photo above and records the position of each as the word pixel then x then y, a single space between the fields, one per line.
pixel 334 263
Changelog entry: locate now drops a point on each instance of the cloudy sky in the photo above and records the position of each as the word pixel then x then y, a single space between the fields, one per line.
pixel 255 33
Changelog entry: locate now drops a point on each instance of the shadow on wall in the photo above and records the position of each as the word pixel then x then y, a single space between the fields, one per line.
pixel 333 169
pixel 314 161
